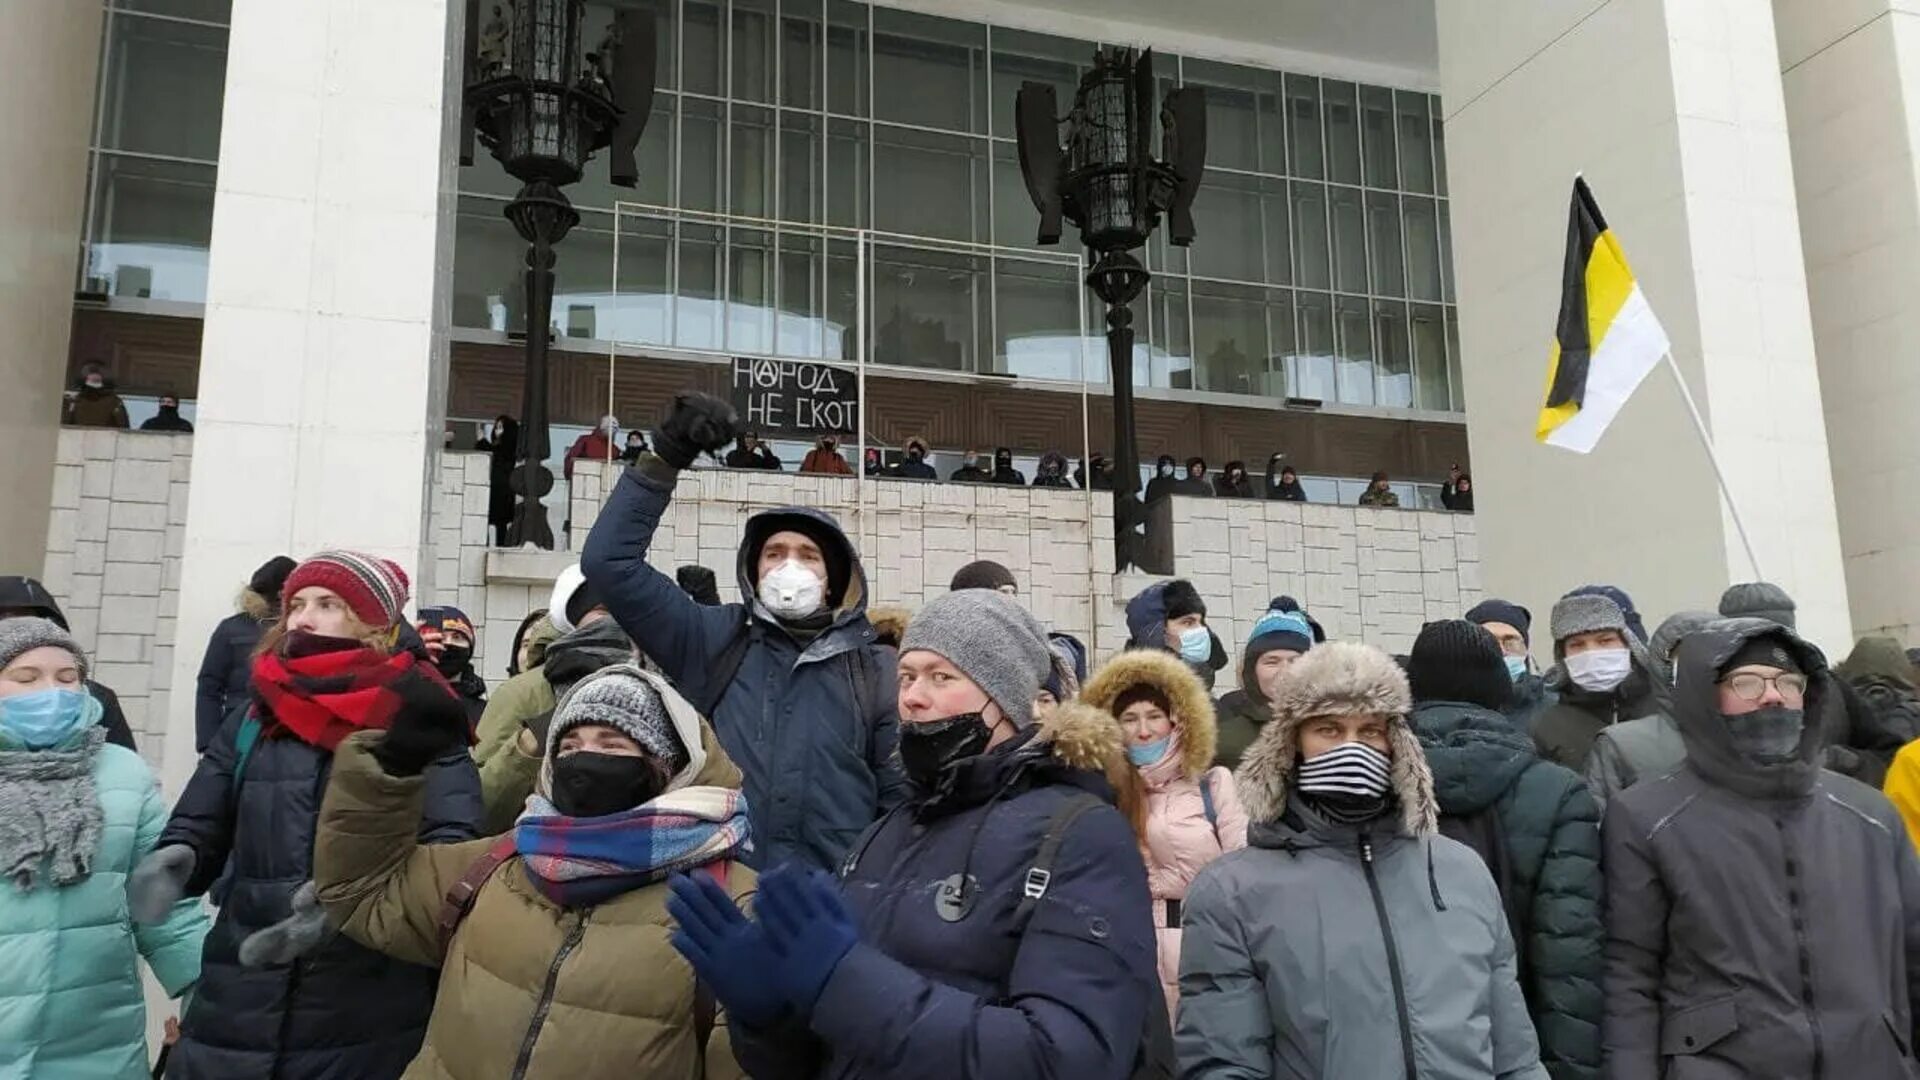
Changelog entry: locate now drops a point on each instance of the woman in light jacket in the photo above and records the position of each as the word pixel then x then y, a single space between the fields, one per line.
pixel 1193 812
pixel 79 813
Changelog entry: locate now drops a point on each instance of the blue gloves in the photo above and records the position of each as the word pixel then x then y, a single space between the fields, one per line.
pixel 762 971
pixel 809 927
pixel 728 952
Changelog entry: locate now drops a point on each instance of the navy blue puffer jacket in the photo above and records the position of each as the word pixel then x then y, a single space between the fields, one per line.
pixel 343 1012
pixel 1062 992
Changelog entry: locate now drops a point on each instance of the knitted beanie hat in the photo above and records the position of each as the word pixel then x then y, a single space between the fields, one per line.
pixel 1457 660
pixel 24 633
pixel 992 640
pixel 622 700
pixel 1581 613
pixel 374 589
pixel 983 574
pixel 1279 630
pixel 272 575
pixel 1758 600
pixel 1503 611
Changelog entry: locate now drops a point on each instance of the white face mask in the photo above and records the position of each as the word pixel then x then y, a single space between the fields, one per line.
pixel 791 591
pixel 1599 670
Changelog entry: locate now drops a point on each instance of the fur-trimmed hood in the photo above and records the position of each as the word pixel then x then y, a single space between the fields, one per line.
pixel 256 607
pixel 1167 673
pixel 889 624
pixel 1339 679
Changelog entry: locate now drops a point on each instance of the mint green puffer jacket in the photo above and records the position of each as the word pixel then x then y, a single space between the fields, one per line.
pixel 71 1005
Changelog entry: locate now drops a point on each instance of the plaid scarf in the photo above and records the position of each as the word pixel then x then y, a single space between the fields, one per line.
pixel 580 862
pixel 324 697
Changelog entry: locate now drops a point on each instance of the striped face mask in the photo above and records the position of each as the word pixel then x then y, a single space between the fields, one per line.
pixel 1352 770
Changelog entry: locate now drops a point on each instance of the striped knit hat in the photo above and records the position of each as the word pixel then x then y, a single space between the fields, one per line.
pixel 375 589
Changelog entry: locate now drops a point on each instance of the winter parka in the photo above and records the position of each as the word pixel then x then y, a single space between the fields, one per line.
pixel 807 717
pixel 1334 952
pixel 985 991
pixel 1551 833
pixel 1193 808
pixel 226 670
pixel 1625 754
pixel 527 989
pixel 1564 731
pixel 342 1011
pixel 71 1005
pixel 1762 920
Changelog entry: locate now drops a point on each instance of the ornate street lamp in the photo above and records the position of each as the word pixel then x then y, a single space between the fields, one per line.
pixel 542 106
pixel 1106 182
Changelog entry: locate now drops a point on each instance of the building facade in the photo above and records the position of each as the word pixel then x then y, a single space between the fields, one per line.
pixel 260 209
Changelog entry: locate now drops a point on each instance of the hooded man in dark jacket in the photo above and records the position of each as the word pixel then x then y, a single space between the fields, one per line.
pixel 1003 470
pixel 1600 677
pixel 1279 637
pixel 1195 481
pixel 26 596
pixel 168 418
pixel 1881 712
pixel 448 635
pixel 914 465
pixel 1545 830
pixel 1165 476
pixel 1052 471
pixel 226 670
pixel 797 691
pixel 1170 616
pixel 996 925
pixel 1233 483
pixel 1763 915
pixel 1512 627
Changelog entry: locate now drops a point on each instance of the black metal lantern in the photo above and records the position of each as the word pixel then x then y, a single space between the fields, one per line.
pixel 543 107
pixel 1108 184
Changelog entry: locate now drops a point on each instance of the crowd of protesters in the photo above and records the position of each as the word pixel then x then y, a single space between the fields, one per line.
pixel 793 837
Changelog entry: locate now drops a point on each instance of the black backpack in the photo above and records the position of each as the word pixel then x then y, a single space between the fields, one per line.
pixel 1484 833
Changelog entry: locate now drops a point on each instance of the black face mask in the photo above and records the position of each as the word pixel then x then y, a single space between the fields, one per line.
pixel 590 784
pixel 300 643
pixel 454 659
pixel 914 455
pixel 928 750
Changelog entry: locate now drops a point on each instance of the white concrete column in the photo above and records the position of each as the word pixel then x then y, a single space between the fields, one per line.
pixel 323 370
pixel 1852 78
pixel 1673 109
pixel 50 50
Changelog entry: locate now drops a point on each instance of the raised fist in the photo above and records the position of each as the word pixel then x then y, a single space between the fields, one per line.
pixel 696 423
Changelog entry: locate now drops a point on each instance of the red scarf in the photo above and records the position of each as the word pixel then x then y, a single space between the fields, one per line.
pixel 325 697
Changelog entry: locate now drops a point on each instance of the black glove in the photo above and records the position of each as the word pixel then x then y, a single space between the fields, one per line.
pixel 697 423
pixel 431 722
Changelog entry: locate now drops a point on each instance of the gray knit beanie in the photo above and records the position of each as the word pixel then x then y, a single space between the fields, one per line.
pixel 1758 600
pixel 1584 614
pixel 992 640
pixel 23 634
pixel 620 699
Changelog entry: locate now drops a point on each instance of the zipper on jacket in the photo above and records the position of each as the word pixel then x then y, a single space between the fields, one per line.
pixel 545 1004
pixel 1393 957
pixel 1806 954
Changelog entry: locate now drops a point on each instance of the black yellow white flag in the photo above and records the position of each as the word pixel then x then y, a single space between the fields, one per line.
pixel 1607 339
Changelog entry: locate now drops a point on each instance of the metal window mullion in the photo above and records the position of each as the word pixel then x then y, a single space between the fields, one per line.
pixel 676 193
pixel 723 149
pixel 776 34
pixel 95 180
pixel 993 262
pixel 865 255
pixel 156 16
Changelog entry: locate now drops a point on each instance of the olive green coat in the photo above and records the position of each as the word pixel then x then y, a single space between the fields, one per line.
pixel 527 988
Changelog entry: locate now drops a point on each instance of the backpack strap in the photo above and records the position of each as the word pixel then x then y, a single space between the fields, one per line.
pixel 726 666
pixel 864 841
pixel 1206 800
pixel 459 898
pixel 1040 874
pixel 244 740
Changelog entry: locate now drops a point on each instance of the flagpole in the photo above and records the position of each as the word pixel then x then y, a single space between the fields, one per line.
pixel 1706 441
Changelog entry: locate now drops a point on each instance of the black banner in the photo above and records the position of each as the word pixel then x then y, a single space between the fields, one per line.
pixel 793 397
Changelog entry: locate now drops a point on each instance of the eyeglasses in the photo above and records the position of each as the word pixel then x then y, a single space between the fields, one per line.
pixel 1752 687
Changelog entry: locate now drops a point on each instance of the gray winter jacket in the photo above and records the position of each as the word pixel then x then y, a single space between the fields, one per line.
pixel 1763 920
pixel 1625 754
pixel 1328 952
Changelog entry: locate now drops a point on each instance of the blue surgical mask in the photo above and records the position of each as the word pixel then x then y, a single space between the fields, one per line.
pixel 1145 754
pixel 42 719
pixel 1196 645
pixel 1517 667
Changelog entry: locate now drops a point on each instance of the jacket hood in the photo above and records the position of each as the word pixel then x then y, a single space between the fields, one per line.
pixel 1337 679
pixel 814 523
pixel 1475 753
pixel 1147 629
pixel 572 657
pixel 256 607
pixel 1710 749
pixel 706 765
pixel 1881 656
pixel 889 624
pixel 26 596
pixel 1199 729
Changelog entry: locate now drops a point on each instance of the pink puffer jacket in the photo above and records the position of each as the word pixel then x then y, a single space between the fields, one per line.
pixel 1180 840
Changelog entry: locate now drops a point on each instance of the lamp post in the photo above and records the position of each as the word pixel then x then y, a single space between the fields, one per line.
pixel 1107 183
pixel 543 106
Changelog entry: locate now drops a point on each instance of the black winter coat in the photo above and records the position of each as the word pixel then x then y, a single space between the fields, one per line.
pixel 985 996
pixel 1564 730
pixel 226 674
pixel 111 717
pixel 345 1012
pixel 1551 828
pixel 1762 920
